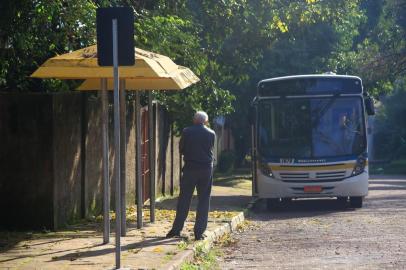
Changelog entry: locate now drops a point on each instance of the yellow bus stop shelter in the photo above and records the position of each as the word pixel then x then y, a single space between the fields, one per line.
pixel 82 64
pixel 151 71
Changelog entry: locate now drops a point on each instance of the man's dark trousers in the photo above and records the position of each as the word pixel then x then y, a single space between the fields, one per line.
pixel 202 179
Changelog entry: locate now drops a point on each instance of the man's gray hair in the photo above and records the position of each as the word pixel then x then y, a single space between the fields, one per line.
pixel 201 117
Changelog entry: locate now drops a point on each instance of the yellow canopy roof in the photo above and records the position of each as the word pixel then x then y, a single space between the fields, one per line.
pixel 149 67
pixel 180 79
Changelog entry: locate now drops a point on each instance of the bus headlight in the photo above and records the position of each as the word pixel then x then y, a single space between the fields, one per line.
pixel 266 169
pixel 359 166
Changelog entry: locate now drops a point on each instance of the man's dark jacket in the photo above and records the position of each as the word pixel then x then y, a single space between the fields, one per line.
pixel 196 145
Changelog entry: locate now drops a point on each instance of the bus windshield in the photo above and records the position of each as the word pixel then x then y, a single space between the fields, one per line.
pixel 311 127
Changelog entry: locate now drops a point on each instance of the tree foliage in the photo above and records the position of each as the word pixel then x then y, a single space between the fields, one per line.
pixel 390 142
pixel 378 53
pixel 32 31
pixel 229 44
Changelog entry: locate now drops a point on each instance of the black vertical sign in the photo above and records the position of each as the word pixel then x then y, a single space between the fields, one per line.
pixel 125 25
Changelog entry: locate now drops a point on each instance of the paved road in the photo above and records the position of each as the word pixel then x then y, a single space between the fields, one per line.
pixel 320 235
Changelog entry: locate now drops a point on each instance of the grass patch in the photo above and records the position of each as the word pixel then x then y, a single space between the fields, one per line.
pixel 242 179
pixel 204 260
pixel 183 245
pixel 169 255
pixel 209 259
pixel 233 173
pixel 225 241
pixel 242 183
pixel 394 167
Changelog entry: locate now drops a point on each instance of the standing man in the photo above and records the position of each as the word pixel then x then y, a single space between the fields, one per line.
pixel 196 146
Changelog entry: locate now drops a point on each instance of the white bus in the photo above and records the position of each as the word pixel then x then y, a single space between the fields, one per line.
pixel 309 139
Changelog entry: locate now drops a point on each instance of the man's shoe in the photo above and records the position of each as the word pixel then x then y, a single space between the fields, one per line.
pixel 200 237
pixel 172 234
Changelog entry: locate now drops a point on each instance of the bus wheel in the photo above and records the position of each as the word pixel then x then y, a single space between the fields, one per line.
pixel 356 202
pixel 286 201
pixel 272 203
pixel 342 201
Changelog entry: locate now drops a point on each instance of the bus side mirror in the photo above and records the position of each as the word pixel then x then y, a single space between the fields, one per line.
pixel 369 106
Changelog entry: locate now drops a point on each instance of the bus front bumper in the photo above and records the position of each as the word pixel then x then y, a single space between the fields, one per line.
pixel 274 188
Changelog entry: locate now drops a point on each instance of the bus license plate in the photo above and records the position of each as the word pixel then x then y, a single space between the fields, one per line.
pixel 313 189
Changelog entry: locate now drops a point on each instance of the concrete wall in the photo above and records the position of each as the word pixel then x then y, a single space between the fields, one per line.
pixel 93 160
pixel 93 164
pixel 40 159
pixel 50 158
pixel 26 173
pixel 167 161
pixel 167 154
pixel 67 157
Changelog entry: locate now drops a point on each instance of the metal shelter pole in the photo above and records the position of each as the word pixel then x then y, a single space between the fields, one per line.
pixel 151 150
pixel 117 144
pixel 123 148
pixel 105 162
pixel 138 176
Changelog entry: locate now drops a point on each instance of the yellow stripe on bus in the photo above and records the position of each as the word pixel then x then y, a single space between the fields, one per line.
pixel 313 168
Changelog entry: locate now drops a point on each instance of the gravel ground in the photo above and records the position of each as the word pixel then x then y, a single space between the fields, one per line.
pixel 319 234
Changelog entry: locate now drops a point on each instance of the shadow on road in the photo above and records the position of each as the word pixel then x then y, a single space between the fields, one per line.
pixel 298 209
pixel 148 242
pixel 217 203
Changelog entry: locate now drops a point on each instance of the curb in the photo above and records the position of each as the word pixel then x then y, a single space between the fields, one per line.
pixel 211 237
pixel 207 243
pixel 185 256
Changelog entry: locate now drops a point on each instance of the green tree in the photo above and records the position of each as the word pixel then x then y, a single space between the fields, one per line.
pixel 379 51
pixel 390 140
pixel 253 40
pixel 32 31
pixel 229 44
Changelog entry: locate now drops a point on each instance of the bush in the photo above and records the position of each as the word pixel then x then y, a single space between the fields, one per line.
pixel 226 161
pixel 390 136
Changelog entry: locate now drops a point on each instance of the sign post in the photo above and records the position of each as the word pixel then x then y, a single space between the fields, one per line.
pixel 138 168
pixel 117 171
pixel 115 47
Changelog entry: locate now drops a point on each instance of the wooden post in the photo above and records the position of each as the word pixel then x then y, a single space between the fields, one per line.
pixel 151 144
pixel 84 199
pixel 172 161
pixel 138 172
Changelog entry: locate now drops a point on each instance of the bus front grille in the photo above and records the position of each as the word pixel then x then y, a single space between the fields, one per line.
pixel 302 177
pixel 331 175
pixel 294 176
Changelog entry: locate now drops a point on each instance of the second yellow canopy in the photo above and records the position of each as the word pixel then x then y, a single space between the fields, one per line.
pixel 178 80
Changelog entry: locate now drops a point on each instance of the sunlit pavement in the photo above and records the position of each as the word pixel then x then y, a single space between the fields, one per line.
pixel 320 234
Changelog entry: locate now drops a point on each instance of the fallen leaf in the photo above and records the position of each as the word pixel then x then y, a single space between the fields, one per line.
pixel 157 250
